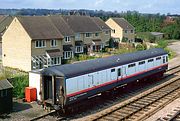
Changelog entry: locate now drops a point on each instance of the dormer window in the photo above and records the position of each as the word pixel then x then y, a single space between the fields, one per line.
pixel 67 39
pixel 53 43
pixel 132 31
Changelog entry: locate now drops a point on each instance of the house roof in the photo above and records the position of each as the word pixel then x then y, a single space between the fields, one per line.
pixel 61 25
pixel 76 69
pixel 101 23
pixel 81 24
pixel 156 33
pixel 123 23
pixel 5 84
pixel 5 22
pixel 56 27
pixel 40 27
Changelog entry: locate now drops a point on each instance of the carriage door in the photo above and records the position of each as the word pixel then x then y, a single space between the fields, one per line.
pixel 124 73
pixel 113 74
pixel 119 73
pixel 90 81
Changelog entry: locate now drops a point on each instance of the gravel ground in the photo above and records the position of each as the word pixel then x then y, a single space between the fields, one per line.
pixel 23 111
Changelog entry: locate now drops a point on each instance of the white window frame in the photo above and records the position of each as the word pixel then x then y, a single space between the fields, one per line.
pixel 67 39
pixel 55 61
pixel 97 34
pixel 53 43
pixel 80 48
pixel 40 43
pixel 68 56
pixel 90 35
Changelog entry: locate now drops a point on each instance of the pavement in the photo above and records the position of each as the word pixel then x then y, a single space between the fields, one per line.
pixel 176 48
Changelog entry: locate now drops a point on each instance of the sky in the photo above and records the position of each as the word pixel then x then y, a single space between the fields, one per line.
pixel 143 6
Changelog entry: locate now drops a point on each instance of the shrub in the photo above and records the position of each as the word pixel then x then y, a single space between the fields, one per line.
pixel 139 47
pixel 162 44
pixel 19 83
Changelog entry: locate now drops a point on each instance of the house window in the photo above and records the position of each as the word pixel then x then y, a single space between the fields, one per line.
pixel 119 71
pixel 113 31
pixel 78 36
pixel 125 31
pixel 96 34
pixel 79 49
pixel 131 65
pixel 40 43
pixel 88 35
pixel 53 43
pixel 3 93
pixel 67 39
pixel 68 54
pixel 106 32
pixel 55 60
pixel 132 31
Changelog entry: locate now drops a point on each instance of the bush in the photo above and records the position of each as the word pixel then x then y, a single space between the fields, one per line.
pixel 19 83
pixel 139 47
pixel 162 44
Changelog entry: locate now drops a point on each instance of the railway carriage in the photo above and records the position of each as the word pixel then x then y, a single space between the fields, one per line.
pixel 66 84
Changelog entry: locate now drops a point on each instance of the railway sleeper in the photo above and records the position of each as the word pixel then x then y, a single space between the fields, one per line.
pixel 146 101
pixel 142 103
pixel 133 107
pixel 138 105
pixel 129 109
pixel 108 118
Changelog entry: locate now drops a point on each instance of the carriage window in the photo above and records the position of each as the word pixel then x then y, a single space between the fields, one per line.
pixel 119 71
pixel 142 62
pixel 131 65
pixel 158 58
pixel 112 70
pixel 150 60
pixel 166 59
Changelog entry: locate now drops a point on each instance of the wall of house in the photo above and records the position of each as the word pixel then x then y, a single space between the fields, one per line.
pixel 72 41
pixel 106 37
pixel 129 35
pixel 16 47
pixel 114 26
pixel 42 51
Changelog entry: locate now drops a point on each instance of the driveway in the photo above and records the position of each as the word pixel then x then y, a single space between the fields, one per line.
pixel 176 48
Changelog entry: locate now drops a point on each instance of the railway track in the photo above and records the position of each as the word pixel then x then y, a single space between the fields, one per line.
pixel 144 105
